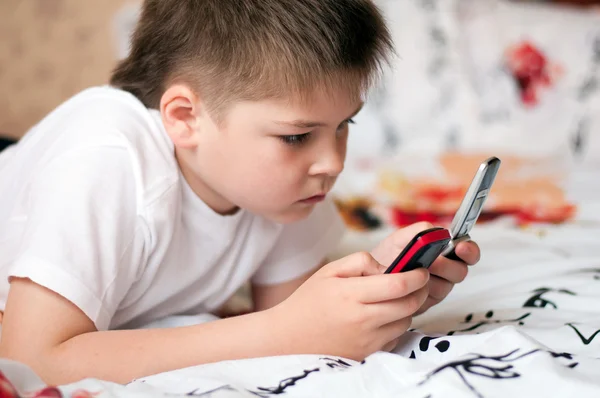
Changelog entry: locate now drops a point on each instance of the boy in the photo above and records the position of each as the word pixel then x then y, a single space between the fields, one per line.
pixel 201 167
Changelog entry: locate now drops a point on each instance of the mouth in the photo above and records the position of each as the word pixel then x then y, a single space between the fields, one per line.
pixel 314 199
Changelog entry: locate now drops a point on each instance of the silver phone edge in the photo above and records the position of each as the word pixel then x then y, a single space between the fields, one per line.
pixel 469 198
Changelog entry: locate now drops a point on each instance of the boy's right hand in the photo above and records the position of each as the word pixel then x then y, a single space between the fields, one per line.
pixel 350 308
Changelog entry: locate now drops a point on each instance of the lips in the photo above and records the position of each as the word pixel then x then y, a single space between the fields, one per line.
pixel 314 199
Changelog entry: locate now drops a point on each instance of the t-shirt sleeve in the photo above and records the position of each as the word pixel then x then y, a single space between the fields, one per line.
pixel 302 246
pixel 78 239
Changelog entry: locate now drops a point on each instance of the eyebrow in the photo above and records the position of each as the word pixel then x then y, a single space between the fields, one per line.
pixel 305 124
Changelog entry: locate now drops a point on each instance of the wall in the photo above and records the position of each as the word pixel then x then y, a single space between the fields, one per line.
pixel 49 50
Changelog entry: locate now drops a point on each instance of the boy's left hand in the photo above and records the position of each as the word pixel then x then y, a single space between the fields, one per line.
pixel 445 273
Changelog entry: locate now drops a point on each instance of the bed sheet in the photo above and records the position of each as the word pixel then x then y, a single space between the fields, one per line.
pixel 525 323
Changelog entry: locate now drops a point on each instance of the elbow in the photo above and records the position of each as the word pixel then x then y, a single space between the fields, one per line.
pixel 38 362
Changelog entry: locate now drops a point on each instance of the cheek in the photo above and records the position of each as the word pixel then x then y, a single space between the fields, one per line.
pixel 268 170
pixel 281 166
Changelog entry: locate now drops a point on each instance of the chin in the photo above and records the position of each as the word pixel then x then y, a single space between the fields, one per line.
pixel 291 215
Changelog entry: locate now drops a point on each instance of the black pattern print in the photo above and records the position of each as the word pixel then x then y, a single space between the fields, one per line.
pixel 496 367
pixel 291 381
pixel 538 301
pixel 283 385
pixel 281 388
pixel 452 138
pixel 428 5
pixel 337 363
pixel 438 67
pixel 493 367
pixel 588 88
pixel 590 83
pixel 391 137
pixel 580 136
pixel 207 394
pixel 488 321
pixel 594 271
pixel 439 63
pixel 441 346
pixel 565 355
pixel 584 340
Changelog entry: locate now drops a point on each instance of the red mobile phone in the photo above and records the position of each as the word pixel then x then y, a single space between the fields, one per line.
pixel 421 251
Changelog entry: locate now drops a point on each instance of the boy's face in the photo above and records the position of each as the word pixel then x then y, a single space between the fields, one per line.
pixel 274 158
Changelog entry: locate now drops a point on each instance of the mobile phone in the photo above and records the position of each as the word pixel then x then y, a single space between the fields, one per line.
pixel 421 251
pixel 471 205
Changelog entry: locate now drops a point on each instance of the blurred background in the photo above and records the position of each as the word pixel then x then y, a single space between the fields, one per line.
pixel 51 49
pixel 518 79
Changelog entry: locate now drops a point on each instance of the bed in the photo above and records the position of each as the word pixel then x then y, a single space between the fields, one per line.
pixel 526 322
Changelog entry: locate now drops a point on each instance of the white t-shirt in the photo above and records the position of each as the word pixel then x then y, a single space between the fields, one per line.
pixel 93 207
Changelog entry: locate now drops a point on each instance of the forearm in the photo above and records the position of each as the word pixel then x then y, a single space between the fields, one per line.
pixel 121 356
pixel 265 297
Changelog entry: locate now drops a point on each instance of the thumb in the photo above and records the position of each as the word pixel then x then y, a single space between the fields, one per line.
pixel 391 246
pixel 357 264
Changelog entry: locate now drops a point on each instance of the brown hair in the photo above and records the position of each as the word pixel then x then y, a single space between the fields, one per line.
pixel 253 49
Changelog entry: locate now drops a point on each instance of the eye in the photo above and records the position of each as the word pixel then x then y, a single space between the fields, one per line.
pixel 345 124
pixel 296 139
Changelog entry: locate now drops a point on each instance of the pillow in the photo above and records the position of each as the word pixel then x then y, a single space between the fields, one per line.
pixel 535 73
pixel 420 102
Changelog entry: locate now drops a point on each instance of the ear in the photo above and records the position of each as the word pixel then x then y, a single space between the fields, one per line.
pixel 179 108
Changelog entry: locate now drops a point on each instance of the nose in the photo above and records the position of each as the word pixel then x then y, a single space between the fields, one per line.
pixel 330 161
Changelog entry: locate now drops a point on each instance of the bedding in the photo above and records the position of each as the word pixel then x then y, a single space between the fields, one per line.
pixel 526 322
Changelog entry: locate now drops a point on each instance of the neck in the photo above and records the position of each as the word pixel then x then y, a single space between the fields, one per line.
pixel 208 195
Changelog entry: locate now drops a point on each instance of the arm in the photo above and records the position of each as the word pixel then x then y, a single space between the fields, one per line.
pixel 70 348
pixel 370 311
pixel 267 296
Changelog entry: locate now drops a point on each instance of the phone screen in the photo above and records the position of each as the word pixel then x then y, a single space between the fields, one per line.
pixel 474 199
pixel 474 212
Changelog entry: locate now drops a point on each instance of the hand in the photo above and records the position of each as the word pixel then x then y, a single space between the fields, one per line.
pixel 445 273
pixel 349 308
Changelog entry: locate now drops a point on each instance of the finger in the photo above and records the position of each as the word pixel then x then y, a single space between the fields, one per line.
pixel 430 302
pixel 357 264
pixel 452 271
pixel 384 287
pixel 391 246
pixel 396 329
pixel 392 310
pixel 439 288
pixel 469 252
pixel 391 346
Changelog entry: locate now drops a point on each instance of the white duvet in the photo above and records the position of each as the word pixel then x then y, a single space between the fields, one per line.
pixel 526 322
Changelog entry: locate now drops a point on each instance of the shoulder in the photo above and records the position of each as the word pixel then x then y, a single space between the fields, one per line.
pixel 99 120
